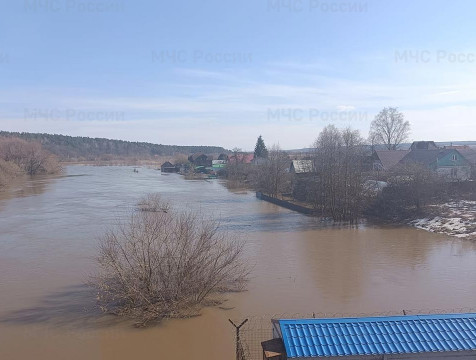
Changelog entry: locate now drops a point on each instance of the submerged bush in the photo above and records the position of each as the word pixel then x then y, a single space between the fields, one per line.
pixel 164 263
pixel 8 171
pixel 30 157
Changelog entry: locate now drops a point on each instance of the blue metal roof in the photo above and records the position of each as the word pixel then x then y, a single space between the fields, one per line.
pixel 378 335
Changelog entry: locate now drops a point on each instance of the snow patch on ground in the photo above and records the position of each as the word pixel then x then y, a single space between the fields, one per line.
pixel 457 218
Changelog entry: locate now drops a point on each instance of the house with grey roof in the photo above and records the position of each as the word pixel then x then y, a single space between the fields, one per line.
pixel 385 160
pixel 200 159
pixel 470 155
pixel 448 163
pixel 301 167
pixel 168 167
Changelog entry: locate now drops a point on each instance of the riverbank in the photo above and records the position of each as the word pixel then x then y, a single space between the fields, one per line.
pixel 456 218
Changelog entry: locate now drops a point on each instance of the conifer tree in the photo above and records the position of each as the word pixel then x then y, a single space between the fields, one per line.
pixel 260 149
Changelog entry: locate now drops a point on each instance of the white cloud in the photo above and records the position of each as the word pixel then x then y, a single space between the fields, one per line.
pixel 240 104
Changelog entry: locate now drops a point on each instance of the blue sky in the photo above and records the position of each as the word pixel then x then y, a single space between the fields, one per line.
pixel 222 72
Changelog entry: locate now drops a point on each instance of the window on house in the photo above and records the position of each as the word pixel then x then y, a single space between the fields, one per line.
pixel 378 167
pixel 454 157
pixel 454 172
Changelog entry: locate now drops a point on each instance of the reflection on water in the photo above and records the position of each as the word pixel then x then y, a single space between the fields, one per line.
pixel 73 306
pixel 24 186
pixel 300 265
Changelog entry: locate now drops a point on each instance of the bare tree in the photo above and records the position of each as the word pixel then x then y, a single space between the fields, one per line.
pixel 153 203
pixel 8 171
pixel 29 156
pixel 180 159
pixel 411 187
pixel 389 128
pixel 165 263
pixel 237 169
pixel 272 177
pixel 416 183
pixel 337 189
pixel 35 159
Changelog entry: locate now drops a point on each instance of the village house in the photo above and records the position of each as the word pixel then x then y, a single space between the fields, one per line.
pixel 223 157
pixel 425 337
pixel 302 179
pixel 301 167
pixel 200 159
pixel 241 158
pixel 470 155
pixel 386 160
pixel 168 167
pixel 448 163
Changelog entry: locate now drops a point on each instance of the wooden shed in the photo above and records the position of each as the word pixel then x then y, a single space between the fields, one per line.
pixel 200 159
pixel 168 167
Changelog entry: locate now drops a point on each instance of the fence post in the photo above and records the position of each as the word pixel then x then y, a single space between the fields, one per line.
pixel 239 350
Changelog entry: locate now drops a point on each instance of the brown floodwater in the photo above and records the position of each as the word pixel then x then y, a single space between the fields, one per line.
pixel 48 242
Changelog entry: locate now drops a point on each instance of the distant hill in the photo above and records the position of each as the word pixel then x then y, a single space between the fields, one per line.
pixel 86 148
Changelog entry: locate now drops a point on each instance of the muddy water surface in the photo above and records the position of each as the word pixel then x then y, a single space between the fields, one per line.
pixel 48 241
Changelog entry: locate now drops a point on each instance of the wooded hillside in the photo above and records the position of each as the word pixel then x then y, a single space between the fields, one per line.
pixel 85 148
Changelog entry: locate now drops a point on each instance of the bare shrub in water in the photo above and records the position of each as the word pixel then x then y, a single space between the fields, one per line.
pixel 8 171
pixel 166 263
pixel 29 156
pixel 153 203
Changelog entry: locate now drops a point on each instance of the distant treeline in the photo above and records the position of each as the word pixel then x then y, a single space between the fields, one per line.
pixel 85 148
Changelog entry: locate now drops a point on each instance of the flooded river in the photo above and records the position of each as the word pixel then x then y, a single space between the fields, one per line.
pixel 48 242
